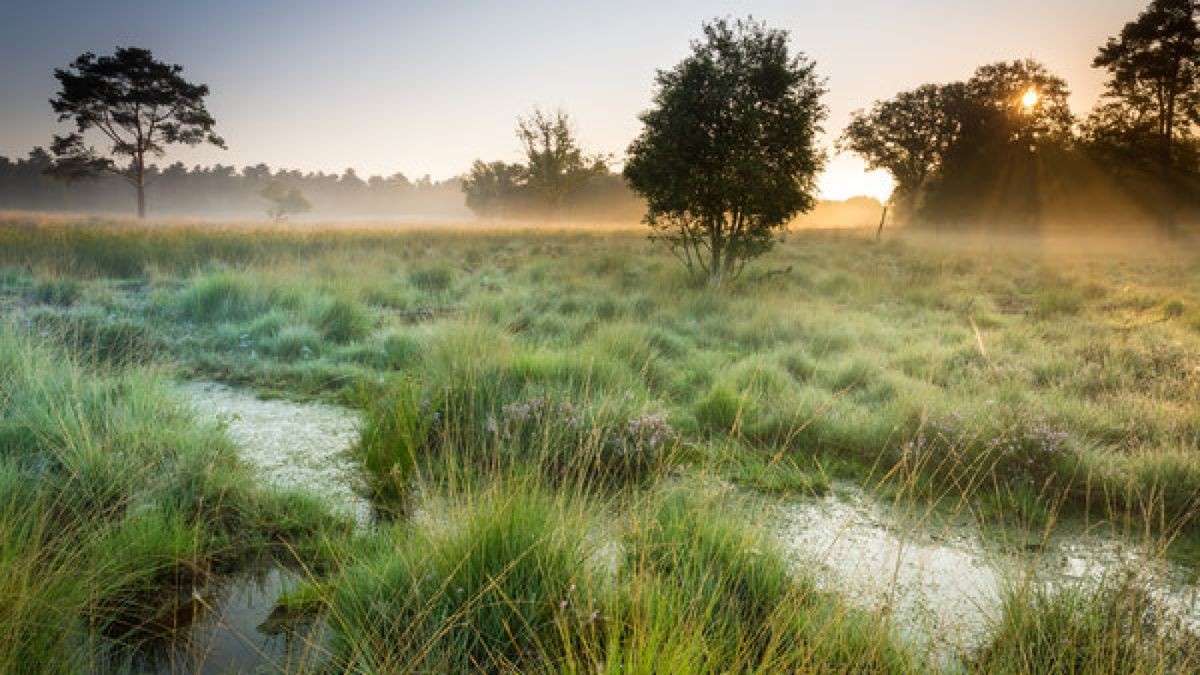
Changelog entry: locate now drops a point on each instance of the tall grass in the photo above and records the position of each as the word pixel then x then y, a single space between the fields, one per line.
pixel 112 501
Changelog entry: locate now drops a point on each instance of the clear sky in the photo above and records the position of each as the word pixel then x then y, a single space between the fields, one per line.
pixel 428 87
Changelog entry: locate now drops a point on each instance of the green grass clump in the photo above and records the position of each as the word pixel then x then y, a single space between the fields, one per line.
pixel 62 292
pixel 343 320
pixel 1118 628
pixel 435 278
pixel 114 503
pixel 710 595
pixel 294 343
pixel 98 337
pixel 222 297
pixel 504 588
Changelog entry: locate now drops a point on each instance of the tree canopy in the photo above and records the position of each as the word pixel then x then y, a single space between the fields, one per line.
pixel 557 177
pixel 1151 100
pixel 137 104
pixel 727 154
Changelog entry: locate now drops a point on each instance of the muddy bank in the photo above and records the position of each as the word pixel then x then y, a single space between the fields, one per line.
pixel 292 445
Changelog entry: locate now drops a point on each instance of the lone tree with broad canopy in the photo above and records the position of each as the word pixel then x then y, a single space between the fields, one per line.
pixel 137 104
pixel 727 156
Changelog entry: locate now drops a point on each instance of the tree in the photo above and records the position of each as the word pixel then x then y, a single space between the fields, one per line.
pixel 137 104
pixel 284 200
pixel 1013 119
pixel 907 136
pixel 493 188
pixel 727 155
pixel 1154 68
pixel 555 166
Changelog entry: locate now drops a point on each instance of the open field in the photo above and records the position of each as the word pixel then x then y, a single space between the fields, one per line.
pixel 553 420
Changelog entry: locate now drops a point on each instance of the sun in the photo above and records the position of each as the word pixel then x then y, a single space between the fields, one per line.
pixel 1030 98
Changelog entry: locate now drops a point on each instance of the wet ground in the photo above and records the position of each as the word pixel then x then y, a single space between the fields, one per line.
pixel 293 445
pixel 229 625
pixel 230 631
pixel 943 574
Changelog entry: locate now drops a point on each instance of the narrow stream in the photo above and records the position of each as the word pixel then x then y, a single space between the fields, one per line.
pixel 303 446
pixel 942 576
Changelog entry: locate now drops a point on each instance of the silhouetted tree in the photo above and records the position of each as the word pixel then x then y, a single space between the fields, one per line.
pixel 727 155
pixel 285 200
pixel 993 172
pixel 138 104
pixel 1154 68
pixel 493 188
pixel 907 136
pixel 555 165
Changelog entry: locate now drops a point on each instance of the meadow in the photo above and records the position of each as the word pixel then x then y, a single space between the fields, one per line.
pixel 544 409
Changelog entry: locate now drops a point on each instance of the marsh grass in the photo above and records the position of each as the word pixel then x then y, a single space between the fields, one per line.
pixel 112 501
pixel 513 383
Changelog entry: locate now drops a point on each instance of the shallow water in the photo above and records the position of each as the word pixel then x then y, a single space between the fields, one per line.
pixel 226 632
pixel 942 576
pixel 292 445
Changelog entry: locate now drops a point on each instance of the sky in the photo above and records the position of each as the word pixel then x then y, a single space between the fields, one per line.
pixel 428 87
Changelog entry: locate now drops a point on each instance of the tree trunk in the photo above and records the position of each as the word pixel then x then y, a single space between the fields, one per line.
pixel 716 270
pixel 140 167
pixel 1165 164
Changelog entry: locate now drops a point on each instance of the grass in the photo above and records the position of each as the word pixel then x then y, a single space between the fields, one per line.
pixel 527 393
pixel 112 500
pixel 1115 629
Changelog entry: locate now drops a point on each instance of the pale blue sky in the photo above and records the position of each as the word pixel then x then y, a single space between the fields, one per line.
pixel 427 87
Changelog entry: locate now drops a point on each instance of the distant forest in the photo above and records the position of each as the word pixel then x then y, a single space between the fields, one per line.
pixel 225 191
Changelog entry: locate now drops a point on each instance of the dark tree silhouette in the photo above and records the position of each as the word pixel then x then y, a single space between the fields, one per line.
pixel 137 104
pixel 557 178
pixel 992 174
pixel 907 136
pixel 555 166
pixel 1154 68
pixel 727 155
pixel 491 188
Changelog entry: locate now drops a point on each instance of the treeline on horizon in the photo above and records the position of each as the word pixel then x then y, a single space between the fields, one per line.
pixel 226 191
pixel 1000 150
pixel 221 190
